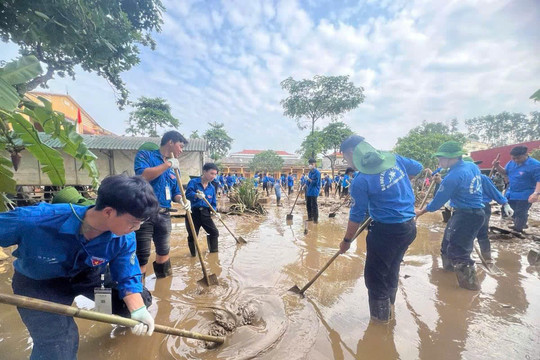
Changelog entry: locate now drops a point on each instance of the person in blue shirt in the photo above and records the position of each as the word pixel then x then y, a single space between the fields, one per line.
pixel 327 185
pixel 265 180
pixel 277 190
pixel 290 183
pixel 524 184
pixel 313 189
pixel 62 251
pixel 200 212
pixel 463 187
pixel 157 167
pixel 346 182
pixel 338 184
pixel 489 193
pixel 383 191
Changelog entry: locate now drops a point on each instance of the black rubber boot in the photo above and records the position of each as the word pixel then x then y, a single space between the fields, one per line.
pixel 447 263
pixel 466 276
pixel 162 270
pixel 192 249
pixel 393 293
pixel 379 310
pixel 212 244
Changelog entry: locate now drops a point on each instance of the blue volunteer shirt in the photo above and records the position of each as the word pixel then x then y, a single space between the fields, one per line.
pixel 462 186
pixel 314 185
pixel 49 246
pixel 388 196
pixel 522 178
pixel 290 180
pixel 490 192
pixel 151 158
pixel 346 182
pixel 209 192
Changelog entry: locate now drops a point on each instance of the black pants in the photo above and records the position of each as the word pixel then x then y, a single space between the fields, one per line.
pixel 345 191
pixel 312 208
pixel 290 189
pixel 483 239
pixel 157 229
pixel 459 235
pixel 521 213
pixel 386 245
pixel 327 191
pixel 201 217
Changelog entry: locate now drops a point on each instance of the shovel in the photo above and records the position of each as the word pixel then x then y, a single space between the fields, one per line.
pixel 427 194
pixel 239 239
pixel 295 288
pixel 493 167
pixel 289 215
pixel 52 307
pixel 207 279
pixel 333 214
pixel 492 268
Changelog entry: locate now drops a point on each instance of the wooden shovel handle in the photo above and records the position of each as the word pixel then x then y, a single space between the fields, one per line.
pixel 221 220
pixel 493 167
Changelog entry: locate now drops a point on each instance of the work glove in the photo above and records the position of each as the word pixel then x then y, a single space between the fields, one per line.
pixel 218 215
pixel 186 204
pixel 200 195
pixel 146 327
pixel 508 211
pixel 175 165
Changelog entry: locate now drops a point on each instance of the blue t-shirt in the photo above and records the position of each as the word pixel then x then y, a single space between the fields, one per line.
pixel 462 186
pixel 522 178
pixel 209 192
pixel 490 192
pixel 167 180
pixel 314 186
pixel 345 182
pixel 290 180
pixel 50 246
pixel 388 196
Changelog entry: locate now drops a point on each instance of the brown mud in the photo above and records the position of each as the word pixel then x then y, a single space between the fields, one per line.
pixel 261 319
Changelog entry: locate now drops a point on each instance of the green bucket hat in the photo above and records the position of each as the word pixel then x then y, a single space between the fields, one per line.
pixel 369 160
pixel 470 159
pixel 148 146
pixel 450 149
pixel 70 195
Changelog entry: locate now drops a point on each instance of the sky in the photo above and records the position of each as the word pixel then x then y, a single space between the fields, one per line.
pixel 223 61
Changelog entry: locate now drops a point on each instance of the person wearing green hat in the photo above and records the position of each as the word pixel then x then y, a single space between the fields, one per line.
pixel 463 187
pixel 383 189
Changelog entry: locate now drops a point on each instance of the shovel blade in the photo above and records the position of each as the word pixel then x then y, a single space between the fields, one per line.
pixel 533 257
pixel 289 217
pixel 241 240
pixel 295 289
pixel 212 280
pixel 331 215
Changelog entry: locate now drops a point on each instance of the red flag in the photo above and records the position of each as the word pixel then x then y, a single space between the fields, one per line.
pixel 79 118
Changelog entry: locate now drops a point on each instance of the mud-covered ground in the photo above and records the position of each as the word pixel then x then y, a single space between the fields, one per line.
pixel 261 319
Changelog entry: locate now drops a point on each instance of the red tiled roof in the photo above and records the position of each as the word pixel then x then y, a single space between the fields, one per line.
pixel 487 156
pixel 254 152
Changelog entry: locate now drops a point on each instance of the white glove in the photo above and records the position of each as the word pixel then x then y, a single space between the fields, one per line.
pixel 175 165
pixel 186 204
pixel 146 327
pixel 218 215
pixel 507 210
pixel 200 195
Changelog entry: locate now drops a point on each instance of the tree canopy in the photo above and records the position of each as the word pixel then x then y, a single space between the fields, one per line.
pixel 311 146
pixel 332 137
pixel 194 135
pixel 322 97
pixel 219 142
pixel 423 141
pixel 101 36
pixel 506 128
pixel 266 161
pixel 149 115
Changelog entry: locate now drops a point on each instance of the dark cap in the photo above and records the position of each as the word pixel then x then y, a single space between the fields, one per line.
pixel 312 161
pixel 350 142
pixel 518 150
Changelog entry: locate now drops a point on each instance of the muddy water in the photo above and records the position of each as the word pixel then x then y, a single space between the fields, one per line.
pixel 261 319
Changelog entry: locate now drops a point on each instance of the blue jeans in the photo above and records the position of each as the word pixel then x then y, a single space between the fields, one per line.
pixel 521 213
pixel 483 239
pixel 460 233
pixel 386 245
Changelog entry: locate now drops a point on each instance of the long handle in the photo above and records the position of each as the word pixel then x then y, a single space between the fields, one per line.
pixel 427 194
pixel 493 167
pixel 362 227
pixel 192 227
pixel 215 212
pixel 299 191
pixel 51 307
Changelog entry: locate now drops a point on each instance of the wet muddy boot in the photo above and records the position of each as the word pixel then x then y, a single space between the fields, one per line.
pixel 192 249
pixel 393 293
pixel 162 270
pixel 379 310
pixel 447 263
pixel 212 244
pixel 466 276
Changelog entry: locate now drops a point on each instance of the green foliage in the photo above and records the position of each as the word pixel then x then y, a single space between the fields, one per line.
pixel 322 97
pixel 423 141
pixel 195 135
pixel 536 154
pixel 99 35
pixel 332 137
pixel 506 128
pixel 219 142
pixel 246 198
pixel 312 145
pixel 149 114
pixel 535 96
pixel 267 161
pixel 13 74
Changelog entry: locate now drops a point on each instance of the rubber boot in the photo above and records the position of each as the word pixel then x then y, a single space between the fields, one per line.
pixel 447 263
pixel 393 293
pixel 192 249
pixel 466 276
pixel 212 244
pixel 379 310
pixel 162 270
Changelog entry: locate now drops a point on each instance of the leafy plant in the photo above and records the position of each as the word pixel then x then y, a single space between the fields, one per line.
pixel 149 114
pixel 219 141
pixel 267 161
pixel 245 198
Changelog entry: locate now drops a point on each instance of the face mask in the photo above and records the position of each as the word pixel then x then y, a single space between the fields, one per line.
pixel 310 167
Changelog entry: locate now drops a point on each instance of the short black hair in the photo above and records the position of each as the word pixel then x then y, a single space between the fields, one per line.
pixel 173 135
pixel 312 161
pixel 349 170
pixel 519 150
pixel 127 194
pixel 210 166
pixel 350 142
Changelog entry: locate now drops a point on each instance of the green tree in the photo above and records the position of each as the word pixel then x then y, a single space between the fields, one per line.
pixel 505 128
pixel 219 142
pixel 150 114
pixel 423 141
pixel 535 96
pixel 322 97
pixel 331 137
pixel 101 36
pixel 311 146
pixel 267 161
pixel 195 135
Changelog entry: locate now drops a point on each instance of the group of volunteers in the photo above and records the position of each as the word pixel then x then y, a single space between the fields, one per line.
pixel 65 250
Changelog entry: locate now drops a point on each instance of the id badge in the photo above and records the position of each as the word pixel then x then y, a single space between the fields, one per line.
pixel 103 300
pixel 167 193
